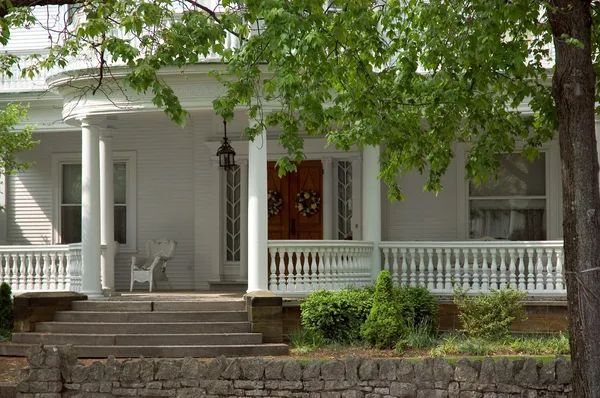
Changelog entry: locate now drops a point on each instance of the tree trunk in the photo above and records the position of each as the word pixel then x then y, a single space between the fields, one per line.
pixel 573 88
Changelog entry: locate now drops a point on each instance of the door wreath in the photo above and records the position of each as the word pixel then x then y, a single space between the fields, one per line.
pixel 274 202
pixel 308 202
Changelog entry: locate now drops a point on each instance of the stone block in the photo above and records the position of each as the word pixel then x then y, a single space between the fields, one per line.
pixel 368 370
pixel 443 370
pixel 168 370
pixel 528 375
pixel 252 368
pixel 333 370
pixel 233 371
pixel 465 371
pixel 403 390
pixel 274 370
pixel 312 370
pixel 292 370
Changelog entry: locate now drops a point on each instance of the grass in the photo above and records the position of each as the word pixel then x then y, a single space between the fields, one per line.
pixel 420 342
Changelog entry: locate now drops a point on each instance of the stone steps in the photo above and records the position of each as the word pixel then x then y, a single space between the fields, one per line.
pixel 162 351
pixel 165 328
pixel 151 317
pixel 139 339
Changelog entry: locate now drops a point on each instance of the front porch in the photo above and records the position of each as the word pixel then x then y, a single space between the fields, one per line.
pixel 298 267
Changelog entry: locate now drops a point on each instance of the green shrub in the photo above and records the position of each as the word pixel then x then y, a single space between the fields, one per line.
pixel 304 341
pixel 385 324
pixel 336 316
pixel 6 311
pixel 420 307
pixel 420 336
pixel 489 315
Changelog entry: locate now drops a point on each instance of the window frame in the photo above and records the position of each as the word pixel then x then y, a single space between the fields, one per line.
pixel 130 160
pixel 553 194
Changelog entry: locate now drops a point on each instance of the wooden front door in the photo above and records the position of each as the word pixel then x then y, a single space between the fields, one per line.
pixel 289 223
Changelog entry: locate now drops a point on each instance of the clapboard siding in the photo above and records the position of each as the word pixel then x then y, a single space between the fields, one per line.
pixel 35 37
pixel 165 194
pixel 423 215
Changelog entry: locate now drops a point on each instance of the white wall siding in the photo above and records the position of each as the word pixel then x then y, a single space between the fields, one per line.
pixel 422 216
pixel 26 41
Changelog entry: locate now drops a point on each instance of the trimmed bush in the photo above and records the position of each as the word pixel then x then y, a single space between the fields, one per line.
pixel 336 316
pixel 489 315
pixel 385 324
pixel 420 308
pixel 6 311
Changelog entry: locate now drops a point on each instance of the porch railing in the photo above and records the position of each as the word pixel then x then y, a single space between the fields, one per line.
pixel 41 268
pixel 301 266
pixel 535 267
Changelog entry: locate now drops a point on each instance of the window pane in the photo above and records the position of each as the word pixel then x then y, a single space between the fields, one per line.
pixel 508 219
pixel 120 180
pixel 516 177
pixel 121 224
pixel 70 224
pixel 71 183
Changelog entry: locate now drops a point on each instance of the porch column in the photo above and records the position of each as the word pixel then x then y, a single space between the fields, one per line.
pixel 371 197
pixel 357 199
pixel 107 210
pixel 90 209
pixel 243 219
pixel 215 222
pixel 257 214
pixel 328 198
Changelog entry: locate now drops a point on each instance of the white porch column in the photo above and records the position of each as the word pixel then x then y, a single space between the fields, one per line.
pixel 215 222
pixel 371 212
pixel 328 187
pixel 257 214
pixel 107 210
pixel 90 209
pixel 243 219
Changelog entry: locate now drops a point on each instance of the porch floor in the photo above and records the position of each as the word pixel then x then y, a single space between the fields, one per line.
pixel 177 295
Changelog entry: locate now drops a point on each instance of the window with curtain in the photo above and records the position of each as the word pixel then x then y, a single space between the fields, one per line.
pixel 70 205
pixel 513 207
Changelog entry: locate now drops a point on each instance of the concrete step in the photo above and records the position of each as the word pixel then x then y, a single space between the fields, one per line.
pixel 142 328
pixel 138 339
pixel 175 351
pixel 147 306
pixel 151 317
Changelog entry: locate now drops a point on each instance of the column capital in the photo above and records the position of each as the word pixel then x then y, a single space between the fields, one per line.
pixel 106 132
pixel 89 121
pixel 327 160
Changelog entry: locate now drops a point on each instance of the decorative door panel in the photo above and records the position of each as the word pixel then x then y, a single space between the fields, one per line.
pixel 309 177
pixel 279 226
pixel 288 223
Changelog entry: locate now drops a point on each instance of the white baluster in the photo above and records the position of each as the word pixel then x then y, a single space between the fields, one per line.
pixel 457 271
pixel 22 272
pixel 539 285
pixel 386 258
pixel 326 264
pixel 549 271
pixel 346 280
pixel 69 271
pixel 440 269
pixel 46 272
pixel 404 271
pixel 522 280
pixel 466 275
pixel 30 269
pixel 493 269
pixel 53 276
pixel 61 271
pixel 430 274
pixel 315 255
pixel 341 268
pixel 502 268
pixel 512 278
pixel 475 284
pixel 272 269
pixel 422 277
pixel 559 270
pixel 38 271
pixel 396 274
pixel 448 270
pixel 413 267
pixel 2 269
pixel 285 258
pixel 14 271
pixel 485 271
pixel 530 272
pixel 334 269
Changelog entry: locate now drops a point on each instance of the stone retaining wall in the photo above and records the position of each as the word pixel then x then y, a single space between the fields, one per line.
pixel 54 373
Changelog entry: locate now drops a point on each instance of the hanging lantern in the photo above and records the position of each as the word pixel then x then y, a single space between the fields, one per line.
pixel 226 153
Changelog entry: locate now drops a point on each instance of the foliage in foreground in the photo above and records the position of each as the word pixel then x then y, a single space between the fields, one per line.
pixel 6 311
pixel 489 315
pixel 385 324
pixel 336 316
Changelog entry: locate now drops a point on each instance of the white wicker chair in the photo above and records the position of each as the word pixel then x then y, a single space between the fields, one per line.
pixel 152 267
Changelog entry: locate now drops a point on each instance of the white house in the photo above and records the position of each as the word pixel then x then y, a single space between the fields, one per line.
pixel 120 155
